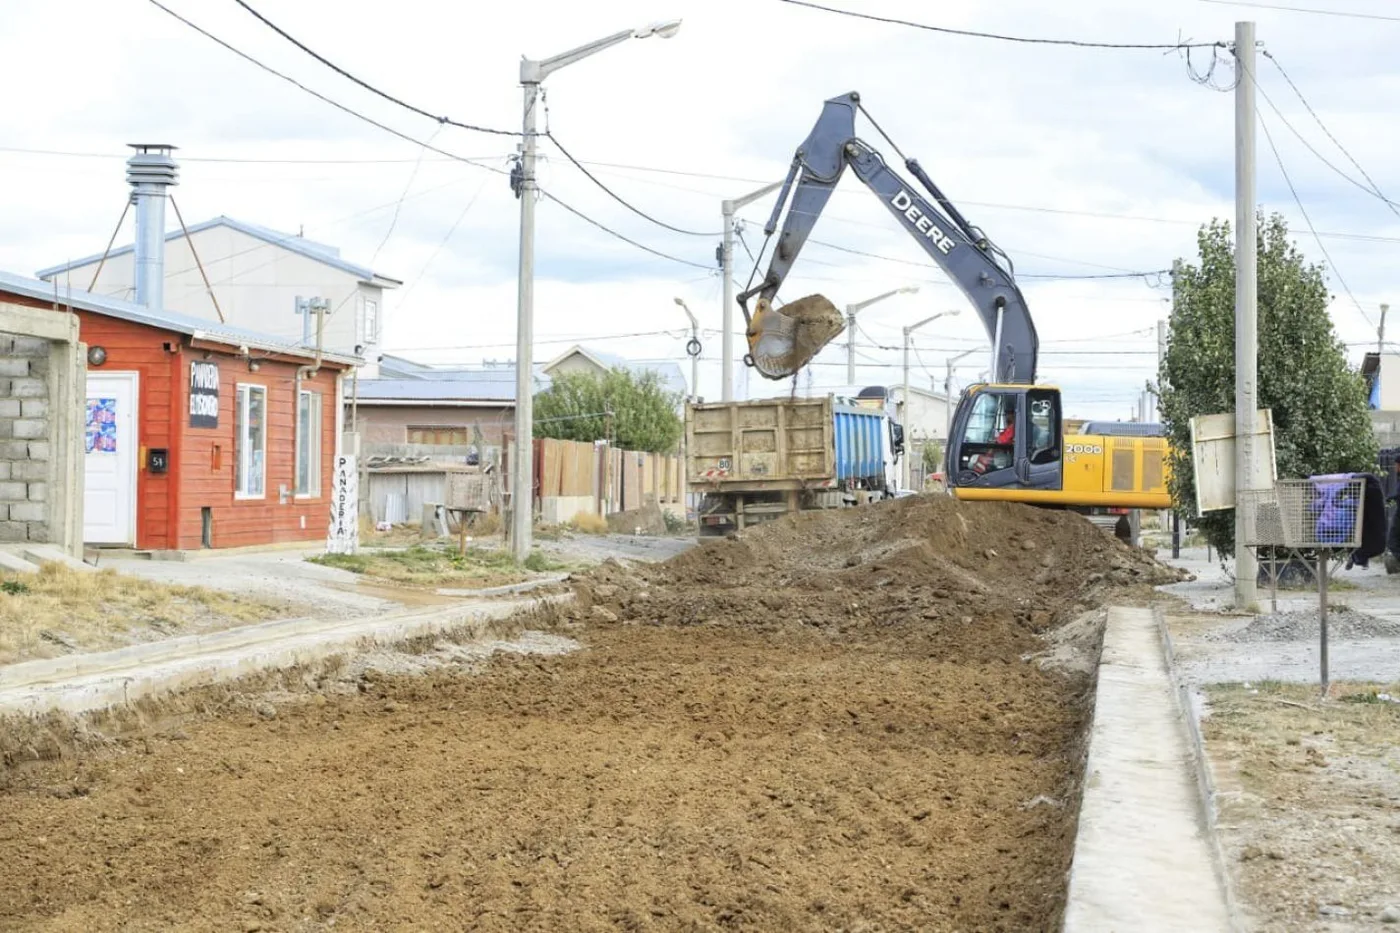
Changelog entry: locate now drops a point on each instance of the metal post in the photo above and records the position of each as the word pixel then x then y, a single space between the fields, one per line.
pixel 522 480
pixel 851 351
pixel 695 364
pixel 904 417
pixel 726 272
pixel 1246 303
pixel 1380 334
pixel 1322 612
pixel 1161 361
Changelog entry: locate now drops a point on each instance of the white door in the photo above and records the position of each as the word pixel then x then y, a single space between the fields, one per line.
pixel 109 465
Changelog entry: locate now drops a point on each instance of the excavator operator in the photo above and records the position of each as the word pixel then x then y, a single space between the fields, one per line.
pixel 999 458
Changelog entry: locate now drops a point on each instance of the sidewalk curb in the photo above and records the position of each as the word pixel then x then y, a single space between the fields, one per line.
pixel 1205 781
pixel 81 683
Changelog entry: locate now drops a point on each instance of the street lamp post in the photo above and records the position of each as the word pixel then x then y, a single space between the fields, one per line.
pixel 909 437
pixel 948 393
pixel 726 271
pixel 532 74
pixel 692 350
pixel 851 311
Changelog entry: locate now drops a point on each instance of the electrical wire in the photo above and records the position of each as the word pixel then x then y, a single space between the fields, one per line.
pixel 442 244
pixel 1028 40
pixel 1127 274
pixel 613 194
pixel 611 232
pixel 1304 211
pixel 441 120
pixel 319 96
pixel 398 205
pixel 1374 188
pixel 1297 9
pixel 18 150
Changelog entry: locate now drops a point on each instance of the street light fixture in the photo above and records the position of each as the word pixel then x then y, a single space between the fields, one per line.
pixel 851 311
pixel 726 271
pixel 909 437
pixel 692 349
pixel 948 392
pixel 532 73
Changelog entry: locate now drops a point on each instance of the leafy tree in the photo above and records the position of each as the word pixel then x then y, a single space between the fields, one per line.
pixel 1319 403
pixel 575 407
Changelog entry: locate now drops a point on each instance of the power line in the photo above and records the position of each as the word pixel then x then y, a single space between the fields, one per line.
pixel 1296 200
pixel 18 150
pixel 1374 188
pixel 926 265
pixel 403 299
pixel 613 194
pixel 441 120
pixel 319 96
pixel 611 232
pixel 1298 9
pixel 1078 43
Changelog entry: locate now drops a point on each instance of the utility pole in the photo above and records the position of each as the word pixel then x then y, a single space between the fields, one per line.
pixel 726 271
pixel 905 417
pixel 522 180
pixel 1380 335
pixel 692 350
pixel 948 395
pixel 851 311
pixel 1161 361
pixel 1246 303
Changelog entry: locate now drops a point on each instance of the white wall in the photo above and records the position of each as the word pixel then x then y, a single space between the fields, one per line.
pixel 927 413
pixel 256 284
pixel 1390 382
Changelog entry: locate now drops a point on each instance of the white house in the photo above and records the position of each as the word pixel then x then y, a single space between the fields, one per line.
pixel 255 277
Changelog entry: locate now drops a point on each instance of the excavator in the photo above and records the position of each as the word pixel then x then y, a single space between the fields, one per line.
pixel 1006 441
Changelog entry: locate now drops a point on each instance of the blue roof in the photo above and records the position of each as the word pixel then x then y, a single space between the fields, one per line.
pixel 165 320
pixel 482 385
pixel 320 252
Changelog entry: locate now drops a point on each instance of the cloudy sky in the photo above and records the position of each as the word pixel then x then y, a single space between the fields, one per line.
pixel 1079 162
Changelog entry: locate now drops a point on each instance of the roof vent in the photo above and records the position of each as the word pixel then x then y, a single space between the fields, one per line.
pixel 150 171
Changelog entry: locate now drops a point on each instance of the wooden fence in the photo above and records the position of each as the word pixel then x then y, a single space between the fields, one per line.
pixel 576 476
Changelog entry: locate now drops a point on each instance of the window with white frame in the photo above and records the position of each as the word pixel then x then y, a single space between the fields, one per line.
pixel 308 443
pixel 250 461
pixel 371 321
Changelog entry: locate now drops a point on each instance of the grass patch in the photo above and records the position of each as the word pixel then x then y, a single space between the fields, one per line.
pixel 589 523
pixel 432 566
pixel 59 610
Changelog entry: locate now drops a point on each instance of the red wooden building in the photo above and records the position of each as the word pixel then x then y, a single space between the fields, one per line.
pixel 198 434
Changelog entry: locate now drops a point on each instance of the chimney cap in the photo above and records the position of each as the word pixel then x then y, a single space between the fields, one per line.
pixel 147 147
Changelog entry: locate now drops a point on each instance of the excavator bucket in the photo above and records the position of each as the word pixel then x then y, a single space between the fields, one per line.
pixel 782 342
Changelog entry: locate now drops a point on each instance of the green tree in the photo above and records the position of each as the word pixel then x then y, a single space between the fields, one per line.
pixel 1319 403
pixel 575 407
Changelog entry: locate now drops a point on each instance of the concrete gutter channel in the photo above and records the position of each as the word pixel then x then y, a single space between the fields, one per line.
pixel 84 682
pixel 1146 855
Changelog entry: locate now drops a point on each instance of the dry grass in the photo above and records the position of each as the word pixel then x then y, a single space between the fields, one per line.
pixel 1308 800
pixel 434 566
pixel 58 610
pixel 589 523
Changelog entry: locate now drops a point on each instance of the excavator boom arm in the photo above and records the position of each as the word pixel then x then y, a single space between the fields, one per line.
pixel 958 248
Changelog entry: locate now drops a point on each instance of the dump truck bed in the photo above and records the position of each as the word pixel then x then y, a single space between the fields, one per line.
pixel 780 444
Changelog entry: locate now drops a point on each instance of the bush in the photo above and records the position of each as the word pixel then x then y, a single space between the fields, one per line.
pixel 589 523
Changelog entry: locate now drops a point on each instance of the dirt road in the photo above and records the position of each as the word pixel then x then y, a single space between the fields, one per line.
pixel 830 724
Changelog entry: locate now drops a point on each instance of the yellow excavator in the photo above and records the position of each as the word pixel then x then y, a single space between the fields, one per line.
pixel 1006 441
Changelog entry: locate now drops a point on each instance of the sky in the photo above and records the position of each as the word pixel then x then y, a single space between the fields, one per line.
pixel 1077 161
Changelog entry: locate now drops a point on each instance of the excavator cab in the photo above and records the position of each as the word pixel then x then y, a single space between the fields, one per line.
pixel 1005 437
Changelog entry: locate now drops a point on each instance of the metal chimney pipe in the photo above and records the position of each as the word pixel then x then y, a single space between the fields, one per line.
pixel 149 172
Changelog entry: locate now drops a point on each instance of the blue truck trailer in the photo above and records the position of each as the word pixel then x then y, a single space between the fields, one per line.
pixel 752 461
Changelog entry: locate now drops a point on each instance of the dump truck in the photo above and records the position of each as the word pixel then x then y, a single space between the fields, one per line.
pixel 753 461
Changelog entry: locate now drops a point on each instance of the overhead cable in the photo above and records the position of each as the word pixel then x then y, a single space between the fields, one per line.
pixel 444 120
pixel 1028 40
pixel 614 195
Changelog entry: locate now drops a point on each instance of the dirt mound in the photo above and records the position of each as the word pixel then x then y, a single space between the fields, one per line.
pixel 926 561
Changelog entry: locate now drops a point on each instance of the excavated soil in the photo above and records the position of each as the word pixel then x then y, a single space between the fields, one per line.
pixel 830 722
pixel 791 336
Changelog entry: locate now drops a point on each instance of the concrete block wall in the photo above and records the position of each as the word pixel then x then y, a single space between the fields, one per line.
pixel 25 447
pixel 42 375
